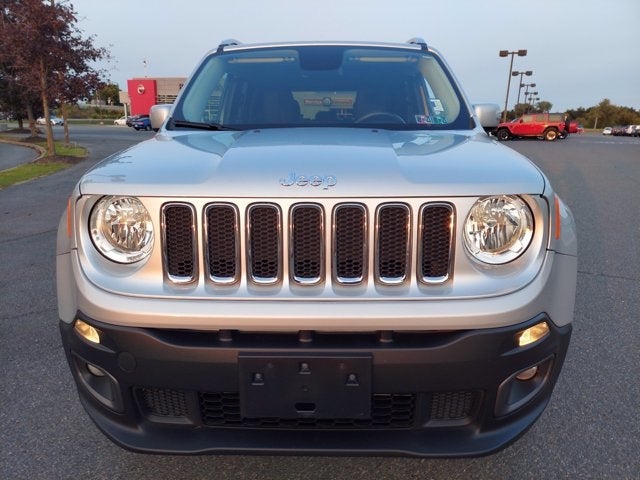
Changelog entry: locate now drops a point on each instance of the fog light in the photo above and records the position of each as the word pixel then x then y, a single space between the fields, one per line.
pixel 95 371
pixel 86 331
pixel 527 374
pixel 532 334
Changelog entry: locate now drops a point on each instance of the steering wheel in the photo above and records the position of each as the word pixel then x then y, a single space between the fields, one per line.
pixel 391 116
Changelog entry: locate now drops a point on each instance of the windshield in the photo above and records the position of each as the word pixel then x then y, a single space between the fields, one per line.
pixel 330 86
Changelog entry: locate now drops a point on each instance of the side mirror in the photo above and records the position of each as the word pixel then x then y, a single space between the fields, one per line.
pixel 488 114
pixel 158 114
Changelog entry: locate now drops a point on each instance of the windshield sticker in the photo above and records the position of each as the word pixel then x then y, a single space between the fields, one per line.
pixel 423 120
pixel 436 105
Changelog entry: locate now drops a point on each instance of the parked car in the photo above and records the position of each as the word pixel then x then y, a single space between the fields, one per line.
pixel 631 130
pixel 132 119
pixel 53 120
pixel 322 251
pixel 619 131
pixel 545 126
pixel 607 131
pixel 120 121
pixel 142 123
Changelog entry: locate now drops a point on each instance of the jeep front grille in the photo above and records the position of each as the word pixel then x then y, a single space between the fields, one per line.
pixel 301 244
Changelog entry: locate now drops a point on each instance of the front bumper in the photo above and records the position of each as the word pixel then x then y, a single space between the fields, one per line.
pixel 403 393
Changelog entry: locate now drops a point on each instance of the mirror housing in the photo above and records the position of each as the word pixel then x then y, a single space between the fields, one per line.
pixel 488 114
pixel 158 114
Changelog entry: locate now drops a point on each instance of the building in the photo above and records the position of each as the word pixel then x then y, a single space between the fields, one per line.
pixel 145 92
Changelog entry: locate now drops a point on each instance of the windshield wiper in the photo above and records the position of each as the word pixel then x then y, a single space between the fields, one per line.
pixel 198 125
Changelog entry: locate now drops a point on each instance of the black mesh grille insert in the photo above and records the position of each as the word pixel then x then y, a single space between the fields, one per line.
pixel 264 243
pixel 436 238
pixel 163 402
pixel 222 242
pixel 453 405
pixel 179 241
pixel 393 243
pixel 307 243
pixel 388 410
pixel 222 409
pixel 350 243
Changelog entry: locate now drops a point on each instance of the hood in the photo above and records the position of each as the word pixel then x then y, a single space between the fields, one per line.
pixel 315 162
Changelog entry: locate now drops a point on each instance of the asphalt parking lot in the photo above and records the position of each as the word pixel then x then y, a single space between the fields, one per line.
pixel 590 430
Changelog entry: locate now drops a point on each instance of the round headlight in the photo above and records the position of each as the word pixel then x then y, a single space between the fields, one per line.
pixel 498 229
pixel 121 229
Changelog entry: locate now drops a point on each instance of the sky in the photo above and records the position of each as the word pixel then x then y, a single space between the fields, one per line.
pixel 580 51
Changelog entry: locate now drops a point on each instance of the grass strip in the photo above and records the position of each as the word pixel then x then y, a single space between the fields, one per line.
pixel 66 156
pixel 29 171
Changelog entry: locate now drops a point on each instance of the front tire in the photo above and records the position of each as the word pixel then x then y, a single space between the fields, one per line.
pixel 550 134
pixel 503 134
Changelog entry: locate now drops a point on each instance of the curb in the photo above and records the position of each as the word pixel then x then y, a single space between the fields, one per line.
pixel 41 151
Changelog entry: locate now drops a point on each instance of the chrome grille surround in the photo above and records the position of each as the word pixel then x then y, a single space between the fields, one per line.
pixel 321 243
pixel 306 244
pixel 180 243
pixel 264 243
pixel 350 247
pixel 393 243
pixel 436 237
pixel 222 245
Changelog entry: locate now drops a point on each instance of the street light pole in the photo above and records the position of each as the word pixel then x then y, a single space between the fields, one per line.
pixel 528 73
pixel 526 92
pixel 506 53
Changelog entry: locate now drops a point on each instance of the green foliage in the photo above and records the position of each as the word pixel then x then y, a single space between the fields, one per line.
pixel 605 114
pixel 109 94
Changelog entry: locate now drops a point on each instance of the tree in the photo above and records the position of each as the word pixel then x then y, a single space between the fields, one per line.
pixel 110 94
pixel 47 54
pixel 544 106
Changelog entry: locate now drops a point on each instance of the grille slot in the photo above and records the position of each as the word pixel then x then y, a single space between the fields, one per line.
pixel 180 242
pixel 307 243
pixel 222 243
pixel 393 247
pixel 436 239
pixel 264 239
pixel 350 243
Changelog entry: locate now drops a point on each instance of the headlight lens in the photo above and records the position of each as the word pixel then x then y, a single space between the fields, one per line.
pixel 121 229
pixel 498 229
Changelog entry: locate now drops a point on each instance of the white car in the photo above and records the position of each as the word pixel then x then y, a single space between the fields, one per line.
pixel 120 121
pixel 53 120
pixel 607 131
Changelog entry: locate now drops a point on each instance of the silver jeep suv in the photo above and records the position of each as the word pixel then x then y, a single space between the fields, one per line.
pixel 321 250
